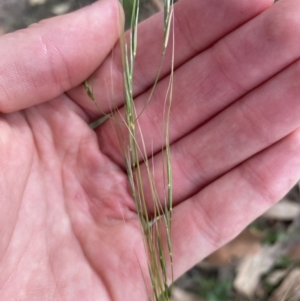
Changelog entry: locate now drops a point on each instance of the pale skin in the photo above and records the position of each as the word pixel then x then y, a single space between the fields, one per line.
pixel 69 230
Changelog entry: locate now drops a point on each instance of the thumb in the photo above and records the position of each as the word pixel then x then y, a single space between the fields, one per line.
pixel 55 55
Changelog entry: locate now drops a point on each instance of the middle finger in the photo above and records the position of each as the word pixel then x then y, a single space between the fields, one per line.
pixel 247 127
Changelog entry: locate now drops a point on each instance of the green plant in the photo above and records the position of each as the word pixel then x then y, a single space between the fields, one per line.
pixel 211 289
pixel 160 261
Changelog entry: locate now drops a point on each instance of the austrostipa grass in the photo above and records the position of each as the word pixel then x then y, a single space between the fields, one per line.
pixel 159 259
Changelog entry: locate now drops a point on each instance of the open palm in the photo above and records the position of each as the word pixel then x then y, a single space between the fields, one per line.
pixel 69 229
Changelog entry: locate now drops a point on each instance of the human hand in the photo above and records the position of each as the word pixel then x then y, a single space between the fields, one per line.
pixel 69 230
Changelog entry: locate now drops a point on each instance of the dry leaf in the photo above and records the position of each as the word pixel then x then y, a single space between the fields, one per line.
pixel 181 295
pixel 285 210
pixel 289 289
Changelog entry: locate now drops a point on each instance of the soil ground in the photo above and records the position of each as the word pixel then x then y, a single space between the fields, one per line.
pixel 16 14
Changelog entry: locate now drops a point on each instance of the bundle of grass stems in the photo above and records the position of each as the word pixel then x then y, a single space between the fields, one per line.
pixel 159 260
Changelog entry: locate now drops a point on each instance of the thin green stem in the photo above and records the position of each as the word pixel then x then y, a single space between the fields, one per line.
pixel 157 227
